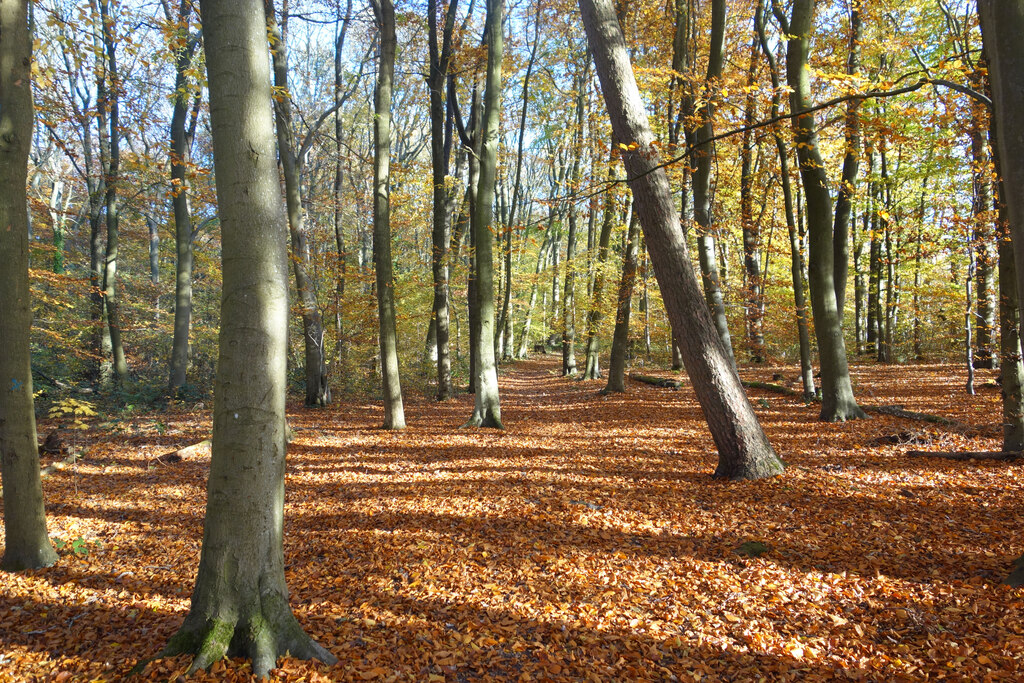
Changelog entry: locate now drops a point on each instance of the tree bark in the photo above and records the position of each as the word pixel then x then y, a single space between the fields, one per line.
pixel 440 155
pixel 743 448
pixel 751 229
pixel 620 337
pixel 27 545
pixel 851 160
pixel 486 407
pixel 594 315
pixel 394 411
pixel 240 602
pixel 701 154
pixel 318 392
pixel 837 401
pixel 181 153
pixel 796 252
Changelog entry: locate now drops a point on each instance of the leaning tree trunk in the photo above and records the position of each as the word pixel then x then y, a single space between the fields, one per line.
pixel 240 602
pixel 837 401
pixel 743 448
pixel 27 545
pixel 486 407
pixel 318 392
pixel 394 411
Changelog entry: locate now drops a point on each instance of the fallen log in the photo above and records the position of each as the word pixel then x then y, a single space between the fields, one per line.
pixel 768 386
pixel 663 382
pixel 195 450
pixel 899 411
pixel 966 455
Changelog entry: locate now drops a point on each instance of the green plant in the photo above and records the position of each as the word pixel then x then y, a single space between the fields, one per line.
pixel 77 546
pixel 77 410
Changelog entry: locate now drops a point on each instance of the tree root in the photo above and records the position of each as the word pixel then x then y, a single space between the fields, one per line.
pixel 260 637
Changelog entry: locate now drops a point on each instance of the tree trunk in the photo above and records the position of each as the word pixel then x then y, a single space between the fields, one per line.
pixel 181 153
pixel 702 151
pixel 594 315
pixel 27 545
pixel 981 175
pixel 620 338
pixel 394 411
pixel 318 392
pixel 440 154
pixel 743 449
pixel 754 304
pixel 240 602
pixel 486 407
pixel 796 260
pixel 851 160
pixel 112 96
pixel 837 401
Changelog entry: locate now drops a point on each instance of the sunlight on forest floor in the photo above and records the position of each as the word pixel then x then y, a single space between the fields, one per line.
pixel 585 542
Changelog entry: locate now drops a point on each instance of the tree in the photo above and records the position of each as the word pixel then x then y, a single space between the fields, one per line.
pixel 240 602
pixel 394 411
pixel 27 545
pixel 291 155
pixel 487 406
pixel 743 448
pixel 837 401
pixel 183 131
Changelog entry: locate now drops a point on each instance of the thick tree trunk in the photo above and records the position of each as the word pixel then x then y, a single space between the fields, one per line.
pixel 837 401
pixel 181 152
pixel 27 545
pixel 240 602
pixel 486 407
pixel 743 449
pixel 394 411
pixel 620 337
pixel 318 392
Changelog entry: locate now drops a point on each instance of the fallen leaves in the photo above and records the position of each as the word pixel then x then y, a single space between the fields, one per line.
pixel 586 542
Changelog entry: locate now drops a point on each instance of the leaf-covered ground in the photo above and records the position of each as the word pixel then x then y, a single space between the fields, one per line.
pixel 586 542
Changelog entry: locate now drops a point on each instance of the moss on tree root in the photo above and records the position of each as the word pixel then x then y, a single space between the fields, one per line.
pixel 261 638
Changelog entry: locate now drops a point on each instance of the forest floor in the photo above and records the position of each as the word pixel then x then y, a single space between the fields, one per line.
pixel 585 542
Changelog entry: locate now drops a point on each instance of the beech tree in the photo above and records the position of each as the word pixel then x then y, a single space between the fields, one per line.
pixel 837 401
pixel 743 448
pixel 27 545
pixel 487 407
pixel 240 602
pixel 394 412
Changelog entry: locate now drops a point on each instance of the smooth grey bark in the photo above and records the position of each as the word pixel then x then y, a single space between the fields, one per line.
pixel 26 543
pixel 1009 337
pixel 486 406
pixel 240 601
pixel 620 337
pixel 290 156
pixel 837 400
pixel 182 136
pixel 440 155
pixel 851 161
pixel 985 248
pixel 743 448
pixel 701 152
pixel 796 260
pixel 109 100
pixel 394 411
